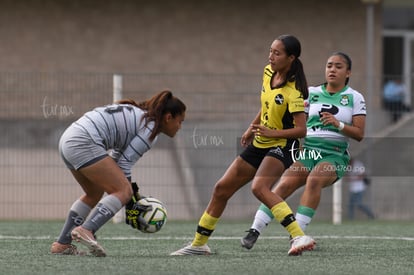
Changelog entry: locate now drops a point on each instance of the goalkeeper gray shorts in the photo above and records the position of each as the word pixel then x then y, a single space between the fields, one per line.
pixel 78 150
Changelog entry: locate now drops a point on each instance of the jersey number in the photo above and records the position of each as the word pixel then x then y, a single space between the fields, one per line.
pixel 117 108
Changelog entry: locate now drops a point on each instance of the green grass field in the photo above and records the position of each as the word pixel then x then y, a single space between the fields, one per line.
pixel 351 248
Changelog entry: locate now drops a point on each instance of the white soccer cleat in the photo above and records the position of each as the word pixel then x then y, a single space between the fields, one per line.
pixel 192 250
pixel 300 244
pixel 86 238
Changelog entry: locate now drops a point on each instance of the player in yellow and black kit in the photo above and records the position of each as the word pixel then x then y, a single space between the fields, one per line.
pixel 336 114
pixel 268 140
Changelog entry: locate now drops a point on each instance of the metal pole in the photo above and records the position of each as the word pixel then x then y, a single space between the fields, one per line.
pixel 337 202
pixel 337 188
pixel 119 217
pixel 370 62
pixel 117 83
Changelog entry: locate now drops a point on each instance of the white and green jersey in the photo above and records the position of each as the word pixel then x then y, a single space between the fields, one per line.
pixel 343 105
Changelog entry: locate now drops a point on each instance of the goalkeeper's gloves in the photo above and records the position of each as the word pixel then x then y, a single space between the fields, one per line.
pixel 135 196
pixel 135 192
pixel 134 216
pixel 134 212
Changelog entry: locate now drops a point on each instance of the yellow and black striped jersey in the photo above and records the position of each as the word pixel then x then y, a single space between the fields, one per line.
pixel 277 107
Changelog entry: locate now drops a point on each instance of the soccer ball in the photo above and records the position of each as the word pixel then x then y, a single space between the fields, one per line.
pixel 156 216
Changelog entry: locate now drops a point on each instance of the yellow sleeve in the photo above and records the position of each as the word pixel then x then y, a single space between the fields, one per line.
pixel 296 102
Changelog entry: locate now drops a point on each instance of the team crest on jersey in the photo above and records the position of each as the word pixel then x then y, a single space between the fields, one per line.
pixel 344 100
pixel 279 99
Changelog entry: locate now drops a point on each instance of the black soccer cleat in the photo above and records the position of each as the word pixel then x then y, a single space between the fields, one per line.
pixel 250 239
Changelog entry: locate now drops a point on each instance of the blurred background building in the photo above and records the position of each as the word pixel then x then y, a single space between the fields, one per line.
pixel 59 58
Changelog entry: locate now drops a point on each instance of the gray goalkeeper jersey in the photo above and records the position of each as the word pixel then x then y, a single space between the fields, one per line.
pixel 120 130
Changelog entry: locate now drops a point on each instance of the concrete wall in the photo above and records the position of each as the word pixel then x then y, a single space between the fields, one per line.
pixel 178 36
pixel 185 37
pixel 193 47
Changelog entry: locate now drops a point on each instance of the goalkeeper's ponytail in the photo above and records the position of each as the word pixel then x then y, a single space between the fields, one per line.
pixel 159 105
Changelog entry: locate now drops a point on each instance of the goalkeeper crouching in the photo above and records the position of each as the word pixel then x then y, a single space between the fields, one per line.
pixel 100 149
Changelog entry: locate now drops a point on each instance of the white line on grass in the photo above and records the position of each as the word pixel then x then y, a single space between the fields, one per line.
pixel 151 238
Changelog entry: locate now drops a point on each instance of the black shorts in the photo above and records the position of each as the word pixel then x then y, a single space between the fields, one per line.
pixel 254 155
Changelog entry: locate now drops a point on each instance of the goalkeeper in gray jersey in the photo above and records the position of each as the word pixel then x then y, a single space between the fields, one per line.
pixel 100 149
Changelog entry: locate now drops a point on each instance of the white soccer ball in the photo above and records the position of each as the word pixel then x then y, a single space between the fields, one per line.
pixel 156 217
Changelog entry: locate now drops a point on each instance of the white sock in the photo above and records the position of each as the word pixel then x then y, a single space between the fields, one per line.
pixel 303 221
pixel 261 220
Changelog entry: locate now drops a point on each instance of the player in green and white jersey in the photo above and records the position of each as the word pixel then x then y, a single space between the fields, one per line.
pixel 336 113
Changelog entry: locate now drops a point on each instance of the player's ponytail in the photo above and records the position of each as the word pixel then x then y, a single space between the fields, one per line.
pixel 296 72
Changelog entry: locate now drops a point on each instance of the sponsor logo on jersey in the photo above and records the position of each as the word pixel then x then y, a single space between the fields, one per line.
pixel 279 99
pixel 298 103
pixel 314 98
pixel 329 108
pixel 364 107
